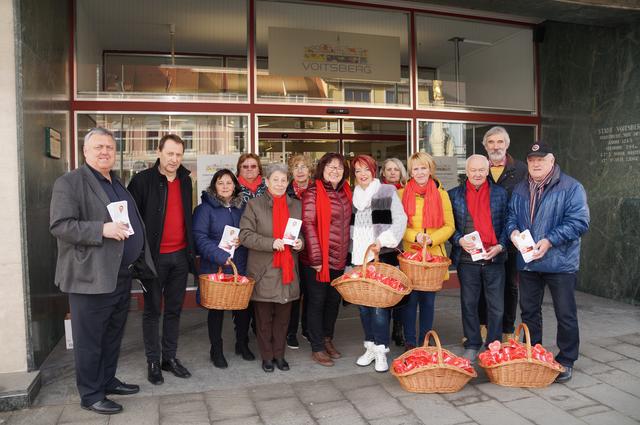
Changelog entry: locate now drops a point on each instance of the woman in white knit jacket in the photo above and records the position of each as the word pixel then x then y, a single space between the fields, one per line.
pixel 378 218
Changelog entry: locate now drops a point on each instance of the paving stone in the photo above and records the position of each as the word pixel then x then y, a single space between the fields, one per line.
pixel 590 410
pixel 630 366
pixel 180 398
pixel 590 366
pixel 621 380
pixel 563 397
pixel 353 420
pixel 73 413
pixel 633 339
pixel 492 413
pixel 252 420
pixel 186 412
pixel 600 354
pixel 41 416
pixel 467 395
pixel 605 341
pixel 273 391
pixel 424 407
pixel 229 407
pixel 138 411
pixel 628 350
pixel 397 420
pixel 618 400
pixel 580 380
pixel 283 411
pixel 374 402
pixel 334 409
pixel 504 393
pixel 351 382
pixel 542 412
pixel 609 418
pixel 317 392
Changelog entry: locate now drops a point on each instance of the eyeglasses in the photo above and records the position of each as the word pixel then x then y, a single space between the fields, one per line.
pixel 249 167
pixel 300 167
pixel 99 148
pixel 334 168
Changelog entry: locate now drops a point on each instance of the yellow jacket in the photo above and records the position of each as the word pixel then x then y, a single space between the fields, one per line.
pixel 438 235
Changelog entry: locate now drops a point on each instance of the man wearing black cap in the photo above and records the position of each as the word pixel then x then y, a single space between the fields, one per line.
pixel 553 207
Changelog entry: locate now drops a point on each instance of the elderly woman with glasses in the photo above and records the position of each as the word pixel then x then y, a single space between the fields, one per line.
pixel 300 172
pixel 272 263
pixel 249 173
pixel 326 214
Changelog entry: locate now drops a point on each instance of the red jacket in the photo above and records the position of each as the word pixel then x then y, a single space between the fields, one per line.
pixel 338 232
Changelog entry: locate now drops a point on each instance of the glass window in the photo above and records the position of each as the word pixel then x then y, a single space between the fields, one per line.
pixel 137 138
pixel 450 143
pixel 310 53
pixel 474 65
pixel 175 50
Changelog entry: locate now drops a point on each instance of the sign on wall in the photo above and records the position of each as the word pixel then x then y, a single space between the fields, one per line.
pixel 207 165
pixel 52 143
pixel 330 54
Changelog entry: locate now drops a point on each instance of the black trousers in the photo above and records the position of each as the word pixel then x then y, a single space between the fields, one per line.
pixel 215 319
pixel 170 286
pixel 562 287
pixel 98 323
pixel 510 295
pixel 296 305
pixel 323 302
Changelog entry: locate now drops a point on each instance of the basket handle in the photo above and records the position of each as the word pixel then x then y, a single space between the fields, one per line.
pixel 435 337
pixel 235 270
pixel 376 259
pixel 424 249
pixel 527 338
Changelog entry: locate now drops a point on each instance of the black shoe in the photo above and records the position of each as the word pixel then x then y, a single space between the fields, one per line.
pixel 217 357
pixel 243 349
pixel 154 373
pixel 292 342
pixel 282 364
pixel 174 366
pixel 397 334
pixel 267 366
pixel 564 376
pixel 305 335
pixel 124 389
pixel 104 407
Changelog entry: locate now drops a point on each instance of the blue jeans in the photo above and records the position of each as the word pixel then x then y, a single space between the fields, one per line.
pixel 562 287
pixel 426 301
pixel 375 323
pixel 477 278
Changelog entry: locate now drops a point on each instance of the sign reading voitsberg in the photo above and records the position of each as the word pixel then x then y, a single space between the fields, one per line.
pixel 329 54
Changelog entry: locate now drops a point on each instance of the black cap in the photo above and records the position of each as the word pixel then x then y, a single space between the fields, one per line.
pixel 539 148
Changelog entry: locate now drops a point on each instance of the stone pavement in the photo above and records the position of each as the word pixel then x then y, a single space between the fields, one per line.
pixel 605 388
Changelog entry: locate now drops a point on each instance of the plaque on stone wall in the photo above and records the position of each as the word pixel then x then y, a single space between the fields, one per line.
pixel 53 143
pixel 619 143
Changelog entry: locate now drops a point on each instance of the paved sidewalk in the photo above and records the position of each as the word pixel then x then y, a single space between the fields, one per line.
pixel 605 388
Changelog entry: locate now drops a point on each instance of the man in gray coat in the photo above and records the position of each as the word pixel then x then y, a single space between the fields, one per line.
pixel 96 260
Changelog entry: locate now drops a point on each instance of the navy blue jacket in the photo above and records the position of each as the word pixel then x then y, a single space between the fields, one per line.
pixel 499 203
pixel 209 220
pixel 562 217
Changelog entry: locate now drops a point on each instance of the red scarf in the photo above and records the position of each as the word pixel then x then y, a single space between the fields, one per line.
pixel 432 213
pixel 479 205
pixel 253 187
pixel 397 185
pixel 282 259
pixel 299 190
pixel 323 217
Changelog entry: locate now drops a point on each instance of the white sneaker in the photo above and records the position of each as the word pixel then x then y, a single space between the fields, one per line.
pixel 368 356
pixel 380 352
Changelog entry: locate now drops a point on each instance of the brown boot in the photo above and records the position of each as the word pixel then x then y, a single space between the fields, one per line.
pixel 322 358
pixel 330 349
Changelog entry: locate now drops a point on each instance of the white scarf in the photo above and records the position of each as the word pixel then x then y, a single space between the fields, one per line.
pixel 362 197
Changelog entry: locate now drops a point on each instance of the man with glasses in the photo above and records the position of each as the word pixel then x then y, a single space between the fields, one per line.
pixel 97 256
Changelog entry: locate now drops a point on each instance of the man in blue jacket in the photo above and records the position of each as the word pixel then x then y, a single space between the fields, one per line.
pixel 553 207
pixel 479 206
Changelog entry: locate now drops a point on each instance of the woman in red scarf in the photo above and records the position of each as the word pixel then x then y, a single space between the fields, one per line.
pixel 272 262
pixel 430 222
pixel 300 172
pixel 249 173
pixel 326 215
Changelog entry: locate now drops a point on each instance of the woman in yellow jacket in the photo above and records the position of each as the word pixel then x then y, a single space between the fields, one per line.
pixel 430 222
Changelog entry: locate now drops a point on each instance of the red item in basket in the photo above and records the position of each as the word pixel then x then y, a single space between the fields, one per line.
pixel 371 273
pixel 416 255
pixel 221 277
pixel 421 357
pixel 513 350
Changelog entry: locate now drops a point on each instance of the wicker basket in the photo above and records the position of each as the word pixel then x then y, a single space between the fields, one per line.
pixel 437 378
pixel 425 276
pixel 370 292
pixel 527 372
pixel 217 295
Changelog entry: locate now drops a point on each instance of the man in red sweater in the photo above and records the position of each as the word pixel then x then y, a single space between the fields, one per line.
pixel 163 196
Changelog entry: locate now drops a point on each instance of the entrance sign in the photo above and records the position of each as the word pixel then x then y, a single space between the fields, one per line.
pixel 447 171
pixel 330 54
pixel 207 165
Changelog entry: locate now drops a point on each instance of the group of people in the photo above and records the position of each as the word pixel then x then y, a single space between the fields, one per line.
pixel 343 226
